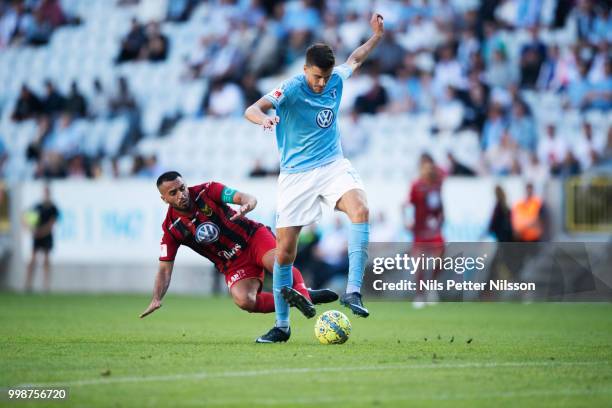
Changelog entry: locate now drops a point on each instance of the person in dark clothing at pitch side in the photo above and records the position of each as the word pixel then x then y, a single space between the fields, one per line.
pixel 500 226
pixel 41 220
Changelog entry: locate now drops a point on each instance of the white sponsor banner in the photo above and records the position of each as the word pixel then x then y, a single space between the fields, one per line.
pixel 120 221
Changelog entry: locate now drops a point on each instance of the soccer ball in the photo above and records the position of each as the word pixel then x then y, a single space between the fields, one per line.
pixel 332 327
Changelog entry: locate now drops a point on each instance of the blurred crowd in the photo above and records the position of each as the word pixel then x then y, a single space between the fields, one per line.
pixel 31 22
pixel 469 65
pixel 59 148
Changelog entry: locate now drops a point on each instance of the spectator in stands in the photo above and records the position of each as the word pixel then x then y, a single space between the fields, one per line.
pixel 502 158
pixel 552 149
pixel 296 45
pixel 522 127
pixel 28 105
pixel 388 54
pixel 259 170
pixel 597 71
pixel 52 13
pixel 584 16
pixel 124 104
pixel 11 23
pixel 599 94
pixel 249 89
pixel 579 87
pixel 534 170
pixel 123 101
pixel 76 104
pixel 132 43
pixel 494 127
pixel 500 72
pixel 41 220
pixel 224 99
pixel 150 167
pixel 533 55
pixel 155 47
pixel 355 139
pixel 589 150
pixel 52 165
pixel 226 61
pixel 34 149
pixel 99 101
pixel 448 72
pixel 570 166
pixel 179 11
pixel 37 29
pixel 374 100
pixel 475 104
pixel 456 168
pixel 65 138
pixel 53 102
pixel 492 41
pixel 78 167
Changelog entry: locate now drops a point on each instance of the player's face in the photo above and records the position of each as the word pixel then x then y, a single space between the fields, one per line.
pixel 427 169
pixel 175 194
pixel 316 77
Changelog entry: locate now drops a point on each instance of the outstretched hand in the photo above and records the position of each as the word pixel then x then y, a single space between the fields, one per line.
pixel 377 24
pixel 244 208
pixel 269 122
pixel 153 306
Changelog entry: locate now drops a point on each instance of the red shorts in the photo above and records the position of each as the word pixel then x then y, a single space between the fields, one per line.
pixel 249 263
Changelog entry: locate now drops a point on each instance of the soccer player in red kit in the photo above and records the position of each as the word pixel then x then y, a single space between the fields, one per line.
pixel 199 217
pixel 426 197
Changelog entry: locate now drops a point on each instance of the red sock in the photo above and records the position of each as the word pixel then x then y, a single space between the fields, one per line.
pixel 298 283
pixel 264 303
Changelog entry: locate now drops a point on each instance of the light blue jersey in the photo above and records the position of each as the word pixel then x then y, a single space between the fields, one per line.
pixel 307 134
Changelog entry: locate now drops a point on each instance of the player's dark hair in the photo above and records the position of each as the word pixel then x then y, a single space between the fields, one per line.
pixel 320 55
pixel 426 157
pixel 168 176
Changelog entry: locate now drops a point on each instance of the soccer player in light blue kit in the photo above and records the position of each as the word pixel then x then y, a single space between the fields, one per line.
pixel 314 171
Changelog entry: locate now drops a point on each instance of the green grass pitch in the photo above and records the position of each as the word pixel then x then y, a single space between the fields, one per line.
pixel 199 351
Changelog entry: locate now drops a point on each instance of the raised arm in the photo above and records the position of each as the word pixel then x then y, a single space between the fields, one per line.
pixel 256 113
pixel 246 202
pixel 361 53
pixel 162 282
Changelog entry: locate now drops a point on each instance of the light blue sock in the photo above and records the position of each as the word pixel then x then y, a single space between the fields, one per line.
pixel 282 276
pixel 359 237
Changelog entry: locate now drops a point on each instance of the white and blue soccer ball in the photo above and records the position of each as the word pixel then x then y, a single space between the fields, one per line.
pixel 332 327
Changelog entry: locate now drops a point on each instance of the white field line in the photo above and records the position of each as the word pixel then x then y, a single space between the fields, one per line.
pixel 305 370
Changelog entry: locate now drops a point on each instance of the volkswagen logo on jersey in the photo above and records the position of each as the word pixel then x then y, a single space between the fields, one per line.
pixel 207 233
pixel 325 118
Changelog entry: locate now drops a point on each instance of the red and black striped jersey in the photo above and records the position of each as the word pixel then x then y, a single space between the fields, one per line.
pixel 207 229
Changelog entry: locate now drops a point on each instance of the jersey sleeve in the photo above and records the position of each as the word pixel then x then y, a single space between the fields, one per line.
pixel 344 71
pixel 168 247
pixel 278 96
pixel 215 191
pixel 412 195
